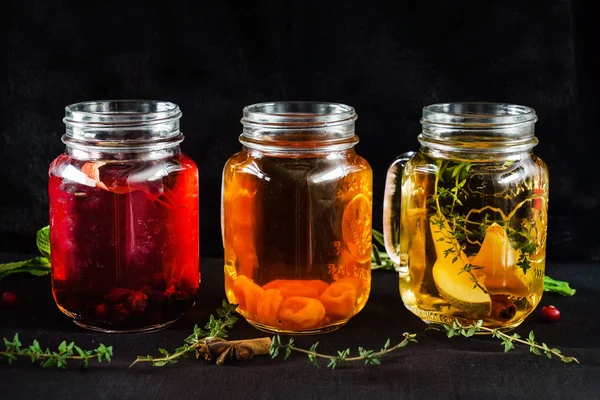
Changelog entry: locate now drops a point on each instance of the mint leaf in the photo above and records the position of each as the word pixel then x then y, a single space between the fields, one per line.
pixel 560 287
pixel 42 240
pixel 37 266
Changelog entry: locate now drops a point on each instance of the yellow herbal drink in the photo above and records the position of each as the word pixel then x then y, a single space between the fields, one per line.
pixel 466 216
pixel 296 218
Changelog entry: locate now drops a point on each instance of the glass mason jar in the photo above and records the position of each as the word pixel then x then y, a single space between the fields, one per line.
pixel 296 218
pixel 465 217
pixel 124 217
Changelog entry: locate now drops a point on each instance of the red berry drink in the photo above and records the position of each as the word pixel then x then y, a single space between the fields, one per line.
pixel 124 238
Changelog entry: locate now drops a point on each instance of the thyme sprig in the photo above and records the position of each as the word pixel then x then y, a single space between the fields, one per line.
pixel 216 327
pixel 453 225
pixel 59 358
pixel 469 268
pixel 370 357
pixel 508 341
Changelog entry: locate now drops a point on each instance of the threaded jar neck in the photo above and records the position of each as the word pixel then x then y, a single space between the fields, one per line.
pixel 122 125
pixel 298 126
pixel 478 127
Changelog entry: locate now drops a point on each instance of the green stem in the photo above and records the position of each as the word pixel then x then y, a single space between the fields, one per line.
pixel 357 358
pixel 25 353
pixel 170 357
pixel 525 342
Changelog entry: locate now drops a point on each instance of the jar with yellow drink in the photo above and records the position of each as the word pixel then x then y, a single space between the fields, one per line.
pixel 465 217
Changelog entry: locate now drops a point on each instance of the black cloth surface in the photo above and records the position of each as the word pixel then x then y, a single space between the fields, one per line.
pixel 436 367
pixel 387 60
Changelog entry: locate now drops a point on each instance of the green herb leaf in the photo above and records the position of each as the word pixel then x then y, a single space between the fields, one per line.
pixel 62 347
pixel 312 355
pixel 42 240
pixel 508 341
pixel 36 266
pixel 560 287
pixel 288 348
pixel 164 352
pixel 47 358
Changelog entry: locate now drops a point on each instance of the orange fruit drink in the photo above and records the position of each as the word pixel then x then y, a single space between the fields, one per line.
pixel 297 238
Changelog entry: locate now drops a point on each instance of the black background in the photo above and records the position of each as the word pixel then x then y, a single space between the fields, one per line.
pixel 212 58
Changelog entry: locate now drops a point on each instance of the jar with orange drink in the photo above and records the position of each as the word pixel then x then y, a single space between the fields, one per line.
pixel 296 218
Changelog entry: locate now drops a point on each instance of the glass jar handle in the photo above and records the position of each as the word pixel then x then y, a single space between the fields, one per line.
pixel 391 206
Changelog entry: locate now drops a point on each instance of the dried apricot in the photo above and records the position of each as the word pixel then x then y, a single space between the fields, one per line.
pixel 238 290
pixel 339 299
pixel 268 306
pixel 302 312
pixel 317 284
pixel 247 293
pixel 293 288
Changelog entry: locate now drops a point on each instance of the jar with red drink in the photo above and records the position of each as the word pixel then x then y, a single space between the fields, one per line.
pixel 124 217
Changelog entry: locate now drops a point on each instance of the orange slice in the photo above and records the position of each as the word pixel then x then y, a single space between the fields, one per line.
pixel 356 227
pixel 92 170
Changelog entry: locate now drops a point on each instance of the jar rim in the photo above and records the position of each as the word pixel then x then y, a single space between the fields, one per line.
pixel 297 114
pixel 122 124
pixel 478 127
pixel 115 113
pixel 477 114
pixel 298 126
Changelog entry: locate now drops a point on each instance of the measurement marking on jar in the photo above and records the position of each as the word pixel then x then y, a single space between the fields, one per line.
pixel 337 246
pixel 538 273
pixel 336 269
pixel 361 273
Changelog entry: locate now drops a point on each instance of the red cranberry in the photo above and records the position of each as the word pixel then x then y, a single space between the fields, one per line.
pixel 174 291
pixel 8 299
pixel 138 302
pixel 101 311
pixel 550 313
pixel 122 312
pixel 118 295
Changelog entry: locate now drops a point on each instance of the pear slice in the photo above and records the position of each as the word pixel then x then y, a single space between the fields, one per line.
pixel 497 257
pixel 456 287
